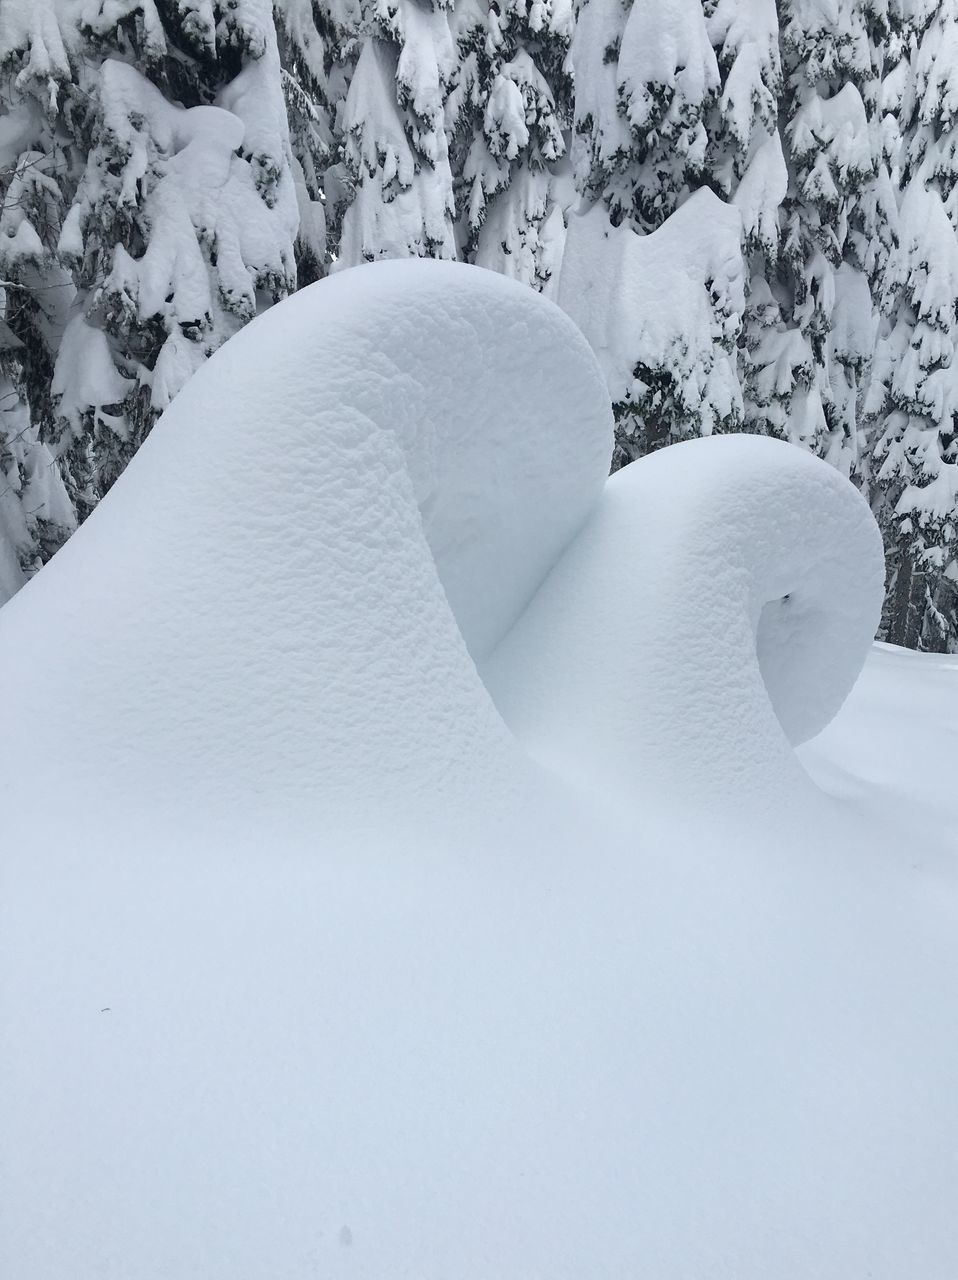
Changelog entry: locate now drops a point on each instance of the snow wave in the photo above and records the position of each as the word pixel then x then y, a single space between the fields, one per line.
pixel 717 608
pixel 274 599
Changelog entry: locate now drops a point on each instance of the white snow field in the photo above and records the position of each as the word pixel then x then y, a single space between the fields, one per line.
pixel 325 956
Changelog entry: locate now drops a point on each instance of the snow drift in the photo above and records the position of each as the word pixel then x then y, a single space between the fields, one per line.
pixel 247 633
pixel 310 967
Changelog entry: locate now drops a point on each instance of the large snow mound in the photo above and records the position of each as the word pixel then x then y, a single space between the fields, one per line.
pixel 263 605
pixel 716 609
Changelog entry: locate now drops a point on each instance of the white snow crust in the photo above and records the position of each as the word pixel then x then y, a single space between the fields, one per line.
pixel 311 966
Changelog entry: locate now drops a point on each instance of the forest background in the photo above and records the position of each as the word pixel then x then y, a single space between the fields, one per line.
pixel 749 207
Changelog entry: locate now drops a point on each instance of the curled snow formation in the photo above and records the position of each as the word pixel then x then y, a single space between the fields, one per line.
pixel 368 485
pixel 255 609
pixel 717 608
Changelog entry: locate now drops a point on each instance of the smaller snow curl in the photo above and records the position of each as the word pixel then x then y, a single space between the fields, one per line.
pixel 715 612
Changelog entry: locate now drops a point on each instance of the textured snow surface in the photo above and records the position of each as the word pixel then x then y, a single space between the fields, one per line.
pixel 216 607
pixel 310 967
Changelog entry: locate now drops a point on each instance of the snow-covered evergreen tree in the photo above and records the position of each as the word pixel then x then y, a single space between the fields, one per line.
pixel 914 395
pixel 662 311
pixel 183 222
pixel 827 329
pixel 303 59
pixel 35 291
pixel 646 78
pixel 396 156
pixel 774 105
pixel 510 109
pixel 318 47
pixel 747 165
pixel 647 84
pixel 149 209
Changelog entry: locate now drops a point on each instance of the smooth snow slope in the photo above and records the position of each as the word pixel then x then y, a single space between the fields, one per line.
pixel 891 754
pixel 308 970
